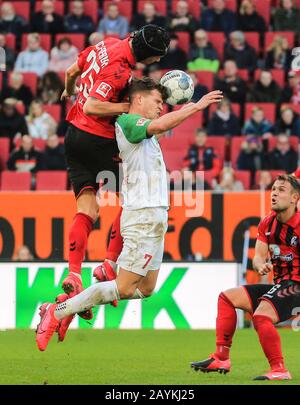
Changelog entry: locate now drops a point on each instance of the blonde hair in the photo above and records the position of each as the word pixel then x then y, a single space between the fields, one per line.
pixel 244 5
pixel 277 46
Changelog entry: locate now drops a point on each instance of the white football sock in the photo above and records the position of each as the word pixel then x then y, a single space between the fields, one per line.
pixel 137 295
pixel 96 294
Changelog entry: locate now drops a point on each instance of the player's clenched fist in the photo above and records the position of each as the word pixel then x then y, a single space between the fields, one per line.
pixel 210 98
pixel 265 268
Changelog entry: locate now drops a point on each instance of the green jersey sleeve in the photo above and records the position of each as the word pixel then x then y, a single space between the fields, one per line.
pixel 134 127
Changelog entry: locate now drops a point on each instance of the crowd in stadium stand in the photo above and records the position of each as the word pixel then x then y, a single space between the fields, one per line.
pixel 242 47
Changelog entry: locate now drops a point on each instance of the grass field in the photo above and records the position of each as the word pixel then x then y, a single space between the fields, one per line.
pixel 134 357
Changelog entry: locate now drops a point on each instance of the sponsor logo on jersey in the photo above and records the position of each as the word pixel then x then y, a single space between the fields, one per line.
pixel 141 122
pixel 294 241
pixel 275 252
pixel 103 89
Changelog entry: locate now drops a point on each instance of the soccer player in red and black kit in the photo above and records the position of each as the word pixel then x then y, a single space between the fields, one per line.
pixel 90 146
pixel 278 238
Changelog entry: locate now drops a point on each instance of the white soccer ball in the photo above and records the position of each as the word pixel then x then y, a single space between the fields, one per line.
pixel 180 87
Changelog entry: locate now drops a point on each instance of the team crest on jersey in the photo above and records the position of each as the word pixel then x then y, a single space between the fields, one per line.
pixel 294 241
pixel 141 122
pixel 103 89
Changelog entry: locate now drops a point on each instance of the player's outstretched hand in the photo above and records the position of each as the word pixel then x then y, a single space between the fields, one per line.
pixel 66 95
pixel 265 269
pixel 210 98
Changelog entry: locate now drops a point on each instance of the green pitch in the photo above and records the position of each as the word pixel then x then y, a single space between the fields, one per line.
pixel 135 357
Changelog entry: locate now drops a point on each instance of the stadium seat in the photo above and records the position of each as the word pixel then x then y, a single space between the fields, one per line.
pixel 209 176
pixel 278 76
pixel 45 42
pixel 194 7
pixel 59 7
pixel 125 8
pixel 263 7
pixel 54 110
pixel 205 78
pixel 235 148
pixel 51 180
pixel 294 107
pixel 10 41
pixel 173 159
pixel 30 79
pixel 22 8
pixel 269 109
pixel 184 41
pixel 236 109
pixel 296 3
pixel 4 152
pixel 78 40
pixel 15 181
pixel 91 9
pixel 219 145
pixel 269 36
pixel 160 6
pixel 294 142
pixel 252 39
pixel 1 80
pixel 274 174
pixel 39 144
pixel 245 177
pixel 243 73
pixel 217 39
pixel 230 4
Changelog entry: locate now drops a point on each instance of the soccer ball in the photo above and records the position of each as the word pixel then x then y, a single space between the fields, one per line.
pixel 180 87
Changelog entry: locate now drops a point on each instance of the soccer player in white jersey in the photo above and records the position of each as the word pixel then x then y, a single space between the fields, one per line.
pixel 145 203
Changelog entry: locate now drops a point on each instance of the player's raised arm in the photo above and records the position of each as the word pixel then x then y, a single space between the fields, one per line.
pixel 259 262
pixel 94 106
pixel 171 120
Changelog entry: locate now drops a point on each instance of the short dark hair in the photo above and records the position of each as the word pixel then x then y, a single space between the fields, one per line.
pixel 146 85
pixel 294 182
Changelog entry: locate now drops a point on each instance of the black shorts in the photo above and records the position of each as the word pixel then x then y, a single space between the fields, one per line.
pixel 284 297
pixel 87 156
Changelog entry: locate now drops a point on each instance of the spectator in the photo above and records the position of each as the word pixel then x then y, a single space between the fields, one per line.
pixel 251 156
pixel 224 122
pixel 47 21
pixel 265 89
pixel 202 55
pixel 175 56
pixel 148 16
pixel 258 125
pixel 279 55
pixel 12 123
pixel 249 20
pixel 201 157
pixel 283 156
pixel 287 17
pixel 153 71
pixel 239 51
pixel 199 89
pixel 113 22
pixel 233 87
pixel 182 20
pixel 50 88
pixel 265 180
pixel 54 158
pixel 10 22
pixel 23 254
pixel 17 89
pixel 40 123
pixel 77 21
pixel 288 123
pixel 9 53
pixel 62 56
pixel 26 158
pixel 218 18
pixel 33 58
pixel 291 93
pixel 95 38
pixel 228 181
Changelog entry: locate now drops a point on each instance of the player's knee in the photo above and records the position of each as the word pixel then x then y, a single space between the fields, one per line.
pixel 126 292
pixel 146 291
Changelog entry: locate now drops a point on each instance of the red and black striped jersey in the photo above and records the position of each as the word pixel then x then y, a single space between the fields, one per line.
pixel 283 244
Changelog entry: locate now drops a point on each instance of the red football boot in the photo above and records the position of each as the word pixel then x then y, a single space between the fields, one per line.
pixel 276 374
pixel 212 364
pixel 72 285
pixel 47 325
pixel 105 272
pixel 64 323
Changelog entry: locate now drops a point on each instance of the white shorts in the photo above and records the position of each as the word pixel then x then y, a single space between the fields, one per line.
pixel 143 233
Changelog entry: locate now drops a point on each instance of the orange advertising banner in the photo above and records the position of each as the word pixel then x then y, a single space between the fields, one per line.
pixel 41 221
